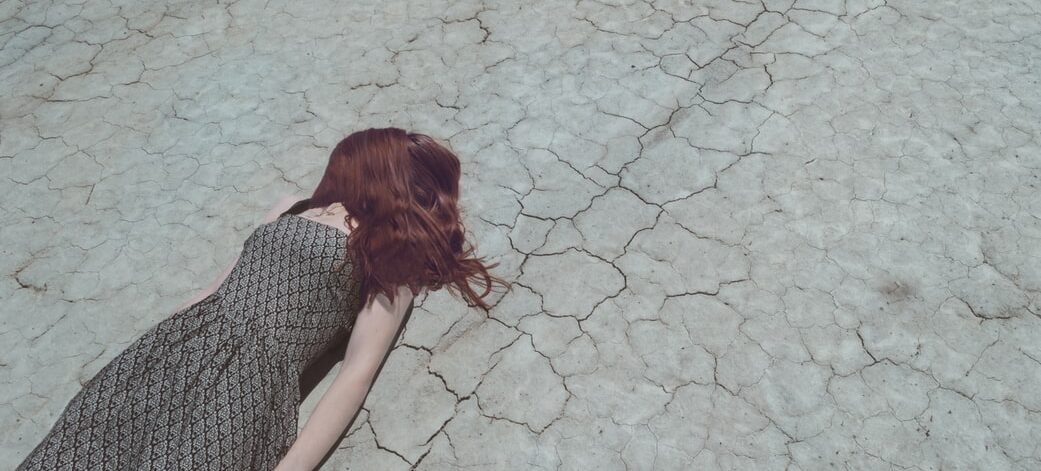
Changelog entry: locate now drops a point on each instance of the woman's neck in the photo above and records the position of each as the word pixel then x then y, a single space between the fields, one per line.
pixel 334 212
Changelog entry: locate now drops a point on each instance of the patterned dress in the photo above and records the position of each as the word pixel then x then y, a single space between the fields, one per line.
pixel 215 386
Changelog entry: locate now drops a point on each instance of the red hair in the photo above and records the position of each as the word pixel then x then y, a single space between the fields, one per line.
pixel 401 189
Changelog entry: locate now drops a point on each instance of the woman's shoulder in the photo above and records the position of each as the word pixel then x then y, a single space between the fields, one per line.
pixel 281 206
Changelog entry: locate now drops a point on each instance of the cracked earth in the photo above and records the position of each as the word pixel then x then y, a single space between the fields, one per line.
pixel 745 235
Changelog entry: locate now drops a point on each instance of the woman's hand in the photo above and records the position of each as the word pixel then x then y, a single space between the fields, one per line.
pixel 378 325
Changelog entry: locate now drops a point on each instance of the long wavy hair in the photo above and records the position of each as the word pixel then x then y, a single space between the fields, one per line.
pixel 400 191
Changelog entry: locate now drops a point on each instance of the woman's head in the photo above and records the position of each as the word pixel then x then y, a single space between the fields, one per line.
pixel 400 191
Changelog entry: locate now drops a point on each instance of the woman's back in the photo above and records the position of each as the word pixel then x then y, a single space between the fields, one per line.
pixel 216 385
pixel 285 291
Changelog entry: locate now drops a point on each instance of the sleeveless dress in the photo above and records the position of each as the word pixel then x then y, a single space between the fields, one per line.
pixel 215 386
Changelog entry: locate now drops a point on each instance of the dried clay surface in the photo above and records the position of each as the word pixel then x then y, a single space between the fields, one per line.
pixel 771 235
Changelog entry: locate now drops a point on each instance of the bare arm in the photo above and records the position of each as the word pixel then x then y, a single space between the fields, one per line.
pixel 371 340
pixel 283 204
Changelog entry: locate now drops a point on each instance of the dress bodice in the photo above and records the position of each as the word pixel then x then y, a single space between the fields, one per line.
pixel 285 291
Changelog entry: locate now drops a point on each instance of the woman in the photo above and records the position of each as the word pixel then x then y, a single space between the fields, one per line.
pixel 217 384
